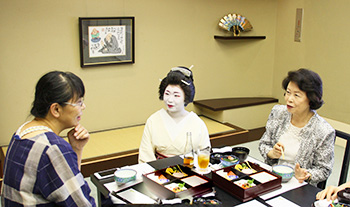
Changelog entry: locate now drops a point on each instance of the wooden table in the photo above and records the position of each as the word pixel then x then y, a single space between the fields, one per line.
pixel 302 196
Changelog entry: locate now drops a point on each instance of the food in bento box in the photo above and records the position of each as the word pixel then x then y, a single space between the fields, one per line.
pixel 158 178
pixel 245 168
pixel 245 183
pixel 263 177
pixel 176 187
pixel 228 175
pixel 176 172
pixel 194 180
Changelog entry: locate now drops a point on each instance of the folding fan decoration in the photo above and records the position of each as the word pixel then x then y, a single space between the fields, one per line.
pixel 235 23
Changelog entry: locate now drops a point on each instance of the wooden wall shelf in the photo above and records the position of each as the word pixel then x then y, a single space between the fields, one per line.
pixel 218 37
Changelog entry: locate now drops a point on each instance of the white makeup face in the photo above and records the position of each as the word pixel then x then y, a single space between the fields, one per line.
pixel 174 98
pixel 296 99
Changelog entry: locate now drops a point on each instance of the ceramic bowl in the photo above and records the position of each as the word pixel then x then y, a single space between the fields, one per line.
pixel 215 157
pixel 229 160
pixel 124 175
pixel 285 171
pixel 241 152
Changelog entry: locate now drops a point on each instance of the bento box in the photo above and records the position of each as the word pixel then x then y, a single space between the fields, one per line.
pixel 246 180
pixel 177 181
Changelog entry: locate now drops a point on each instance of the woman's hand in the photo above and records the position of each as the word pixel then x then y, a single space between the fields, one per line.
pixel 276 151
pixel 78 137
pixel 330 193
pixel 301 174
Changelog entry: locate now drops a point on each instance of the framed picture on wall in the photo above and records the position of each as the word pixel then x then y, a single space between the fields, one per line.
pixel 106 40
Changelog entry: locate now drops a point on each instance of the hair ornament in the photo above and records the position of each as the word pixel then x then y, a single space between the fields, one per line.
pixel 185 82
pixel 184 71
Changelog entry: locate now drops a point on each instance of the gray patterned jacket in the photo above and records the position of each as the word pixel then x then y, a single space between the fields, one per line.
pixel 316 152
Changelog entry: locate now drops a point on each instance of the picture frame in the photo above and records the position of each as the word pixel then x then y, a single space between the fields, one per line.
pixel 106 40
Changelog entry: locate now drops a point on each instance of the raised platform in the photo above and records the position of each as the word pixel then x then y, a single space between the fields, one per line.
pixel 119 147
pixel 247 112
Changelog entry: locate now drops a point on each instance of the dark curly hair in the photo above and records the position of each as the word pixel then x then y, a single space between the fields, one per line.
pixel 181 76
pixel 309 82
pixel 55 87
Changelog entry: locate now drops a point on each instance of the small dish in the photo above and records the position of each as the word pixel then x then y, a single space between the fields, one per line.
pixel 215 157
pixel 229 160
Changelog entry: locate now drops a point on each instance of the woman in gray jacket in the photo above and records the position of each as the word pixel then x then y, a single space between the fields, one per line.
pixel 296 134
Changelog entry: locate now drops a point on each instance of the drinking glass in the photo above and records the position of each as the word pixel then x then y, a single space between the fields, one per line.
pixel 203 158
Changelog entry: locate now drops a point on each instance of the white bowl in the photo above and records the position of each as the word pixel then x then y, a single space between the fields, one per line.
pixel 285 171
pixel 124 175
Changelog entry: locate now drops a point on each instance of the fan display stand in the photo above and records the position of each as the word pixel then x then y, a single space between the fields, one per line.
pixel 220 37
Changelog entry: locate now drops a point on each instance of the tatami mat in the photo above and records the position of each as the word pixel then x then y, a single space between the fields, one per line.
pixel 129 138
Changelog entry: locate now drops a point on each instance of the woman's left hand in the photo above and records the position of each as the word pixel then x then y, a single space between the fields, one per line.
pixel 78 137
pixel 301 174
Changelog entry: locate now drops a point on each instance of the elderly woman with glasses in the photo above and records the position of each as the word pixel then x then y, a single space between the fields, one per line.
pixel 295 134
pixel 174 130
pixel 41 168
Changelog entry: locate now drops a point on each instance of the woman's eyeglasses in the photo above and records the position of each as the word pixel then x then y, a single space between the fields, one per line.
pixel 80 103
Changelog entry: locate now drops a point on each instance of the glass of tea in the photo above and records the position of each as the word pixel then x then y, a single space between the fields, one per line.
pixel 188 160
pixel 203 158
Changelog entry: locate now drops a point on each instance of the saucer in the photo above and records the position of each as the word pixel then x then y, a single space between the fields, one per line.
pixel 202 171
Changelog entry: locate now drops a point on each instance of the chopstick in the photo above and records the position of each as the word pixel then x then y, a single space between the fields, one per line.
pixel 282 152
pixel 179 168
pixel 249 165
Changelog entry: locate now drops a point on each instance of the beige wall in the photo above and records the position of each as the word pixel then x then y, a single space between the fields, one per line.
pixel 42 35
pixel 325 48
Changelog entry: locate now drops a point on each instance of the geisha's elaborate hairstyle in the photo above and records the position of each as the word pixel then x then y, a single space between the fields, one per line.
pixel 181 76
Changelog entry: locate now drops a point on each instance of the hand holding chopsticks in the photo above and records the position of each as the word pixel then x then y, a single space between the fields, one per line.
pixel 277 151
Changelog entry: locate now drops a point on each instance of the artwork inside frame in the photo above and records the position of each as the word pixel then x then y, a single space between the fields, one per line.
pixel 106 40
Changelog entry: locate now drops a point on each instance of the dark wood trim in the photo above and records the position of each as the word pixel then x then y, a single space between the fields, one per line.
pixel 256 134
pixel 109 161
pixel 231 103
